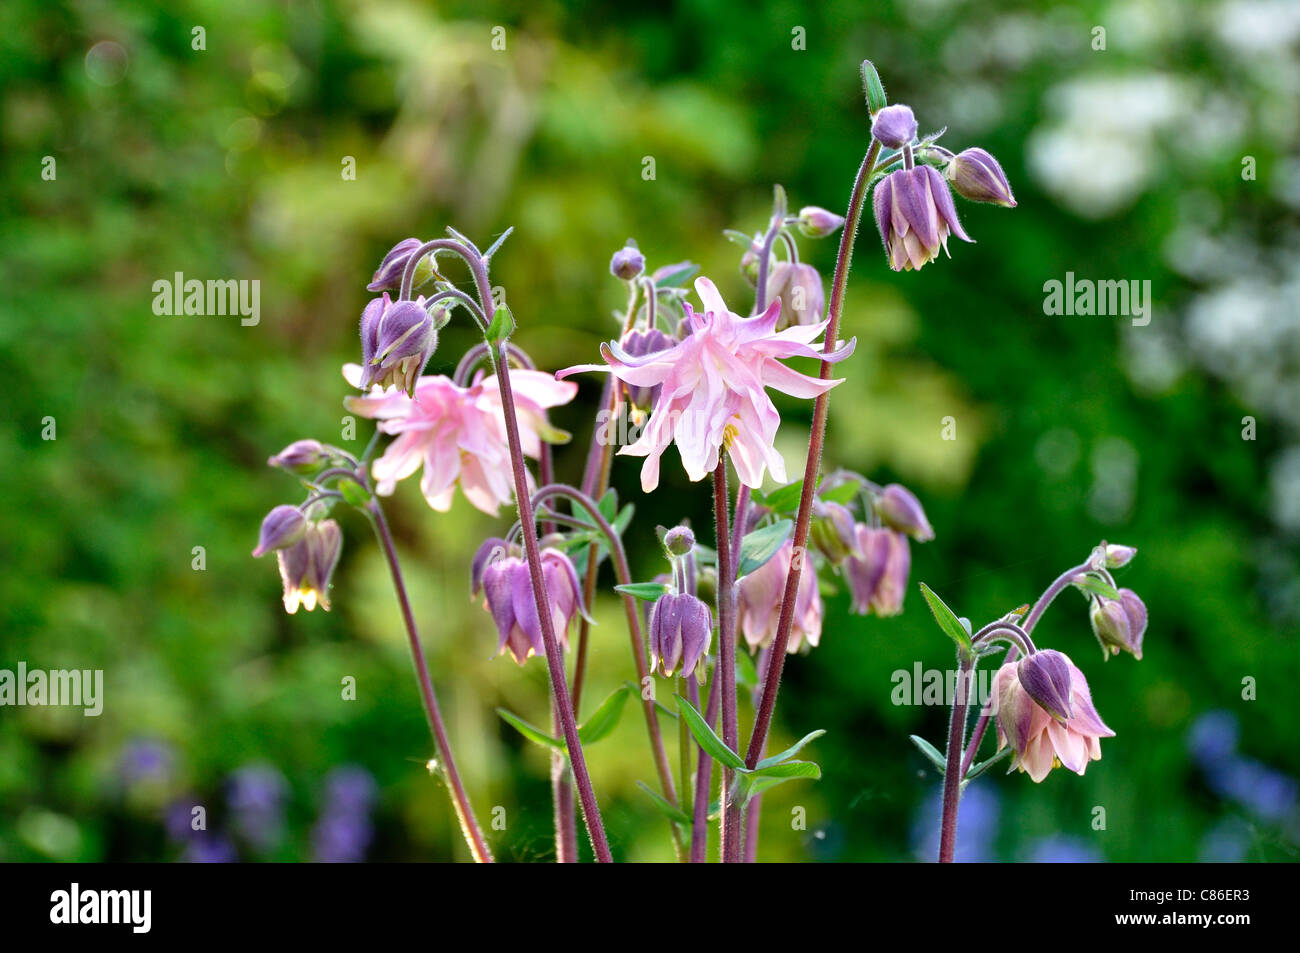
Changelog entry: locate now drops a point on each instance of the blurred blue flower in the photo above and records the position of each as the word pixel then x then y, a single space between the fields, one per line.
pixel 977 825
pixel 1213 737
pixel 1062 849
pixel 343 832
pixel 1226 843
pixel 208 848
pixel 146 759
pixel 256 799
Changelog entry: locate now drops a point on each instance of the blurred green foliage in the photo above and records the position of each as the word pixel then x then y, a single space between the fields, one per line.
pixel 226 162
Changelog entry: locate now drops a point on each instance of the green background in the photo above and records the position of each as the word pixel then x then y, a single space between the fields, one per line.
pixel 1127 162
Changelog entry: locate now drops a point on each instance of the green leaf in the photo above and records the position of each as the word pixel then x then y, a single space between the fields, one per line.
pixel 605 718
pixel 666 808
pixel 649 591
pixel 705 737
pixel 620 522
pixel 931 752
pixel 501 326
pixel 1091 583
pixel 947 620
pixel 789 752
pixel 784 499
pixel 353 492
pixel 843 493
pixel 608 505
pixel 531 732
pixel 873 88
pixel 978 769
pixel 678 278
pixel 753 783
pixel 761 545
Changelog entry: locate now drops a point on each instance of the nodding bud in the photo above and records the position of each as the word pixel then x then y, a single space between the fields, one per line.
pixel 301 456
pixel 817 222
pixel 915 215
pixel 397 340
pixel 1119 624
pixel 894 126
pixel 679 541
pixel 306 567
pixel 833 531
pixel 492 549
pixel 877 573
pixel 976 175
pixel 1045 675
pixel 640 344
pixel 508 595
pixel 1118 556
pixel 388 276
pixel 681 628
pixel 283 527
pixel 899 508
pixel 628 263
pixel 801 292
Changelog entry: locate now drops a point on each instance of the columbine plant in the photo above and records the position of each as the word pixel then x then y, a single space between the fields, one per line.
pixel 694 375
pixel 1040 704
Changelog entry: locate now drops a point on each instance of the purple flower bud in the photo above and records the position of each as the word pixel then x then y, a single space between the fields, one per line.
pixel 877 574
pixel 1119 624
pixel 405 337
pixel 899 508
pixel 679 541
pixel 301 456
pixel 816 222
pixel 1045 675
pixel 489 552
pixel 283 527
pixel 1118 556
pixel 628 263
pixel 388 277
pixel 681 628
pixel 306 567
pixel 915 214
pixel 833 531
pixel 508 595
pixel 640 344
pixel 976 175
pixel 324 543
pixel 894 126
pixel 800 289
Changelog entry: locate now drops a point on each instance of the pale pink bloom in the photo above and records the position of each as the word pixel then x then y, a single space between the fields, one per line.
pixel 712 388
pixel 758 598
pixel 458 433
pixel 1041 742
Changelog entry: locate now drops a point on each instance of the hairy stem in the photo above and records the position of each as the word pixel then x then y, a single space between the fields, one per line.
pixel 952 772
pixel 703 776
pixel 772 684
pixel 726 674
pixel 624 576
pixel 460 801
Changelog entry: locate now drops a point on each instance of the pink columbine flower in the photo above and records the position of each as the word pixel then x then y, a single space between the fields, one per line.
pixel 1041 742
pixel 758 598
pixel 713 395
pixel 458 433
